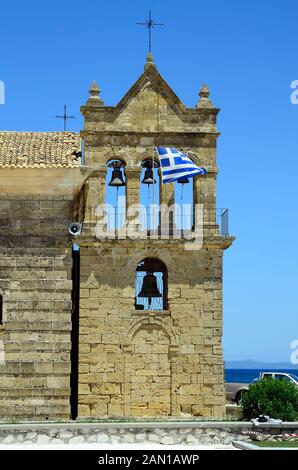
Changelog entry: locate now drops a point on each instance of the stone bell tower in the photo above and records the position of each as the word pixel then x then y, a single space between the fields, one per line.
pixel 160 355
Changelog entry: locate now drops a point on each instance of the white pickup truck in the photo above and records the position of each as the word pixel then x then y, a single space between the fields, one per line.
pixel 234 391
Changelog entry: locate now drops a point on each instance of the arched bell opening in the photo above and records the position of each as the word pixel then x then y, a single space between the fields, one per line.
pixel 151 285
pixel 115 194
pixel 149 194
pixel 184 203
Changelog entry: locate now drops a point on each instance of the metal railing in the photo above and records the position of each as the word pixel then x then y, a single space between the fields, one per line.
pixel 223 215
pixel 152 220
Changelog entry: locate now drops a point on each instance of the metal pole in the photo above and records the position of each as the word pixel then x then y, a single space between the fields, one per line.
pixel 150 27
pixel 65 117
pixel 153 181
pixel 116 214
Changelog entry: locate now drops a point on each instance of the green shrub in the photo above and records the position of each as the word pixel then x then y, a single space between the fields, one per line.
pixel 275 398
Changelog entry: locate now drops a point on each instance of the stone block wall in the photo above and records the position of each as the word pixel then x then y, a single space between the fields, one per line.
pixel 35 282
pixel 150 363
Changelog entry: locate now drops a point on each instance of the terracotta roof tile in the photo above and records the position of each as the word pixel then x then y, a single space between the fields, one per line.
pixel 40 149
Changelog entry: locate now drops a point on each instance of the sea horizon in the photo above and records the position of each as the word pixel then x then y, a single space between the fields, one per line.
pixel 244 375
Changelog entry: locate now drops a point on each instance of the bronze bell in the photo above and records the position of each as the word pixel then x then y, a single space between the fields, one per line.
pixel 183 180
pixel 149 287
pixel 117 178
pixel 148 177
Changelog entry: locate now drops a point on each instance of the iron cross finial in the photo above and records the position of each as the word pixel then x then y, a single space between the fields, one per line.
pixel 65 117
pixel 150 23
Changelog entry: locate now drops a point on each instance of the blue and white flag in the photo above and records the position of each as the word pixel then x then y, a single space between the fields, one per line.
pixel 176 165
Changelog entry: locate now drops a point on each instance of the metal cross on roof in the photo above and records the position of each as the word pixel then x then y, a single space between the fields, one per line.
pixel 150 23
pixel 65 117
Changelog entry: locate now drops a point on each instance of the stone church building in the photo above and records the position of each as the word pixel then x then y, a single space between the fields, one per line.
pixel 96 326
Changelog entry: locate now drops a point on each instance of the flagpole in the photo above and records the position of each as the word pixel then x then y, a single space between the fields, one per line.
pixel 153 181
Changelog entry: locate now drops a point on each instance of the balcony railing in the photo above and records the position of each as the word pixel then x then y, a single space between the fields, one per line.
pixel 151 220
pixel 223 221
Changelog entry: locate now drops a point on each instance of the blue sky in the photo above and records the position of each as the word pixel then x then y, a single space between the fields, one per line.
pixel 247 54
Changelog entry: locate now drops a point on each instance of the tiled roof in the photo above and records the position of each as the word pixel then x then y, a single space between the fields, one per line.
pixel 40 149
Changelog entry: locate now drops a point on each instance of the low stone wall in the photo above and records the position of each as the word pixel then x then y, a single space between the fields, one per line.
pixel 234 412
pixel 278 435
pixel 179 433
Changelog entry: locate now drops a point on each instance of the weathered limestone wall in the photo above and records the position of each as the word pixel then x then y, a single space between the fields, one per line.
pixel 35 281
pixel 150 363
pixel 132 362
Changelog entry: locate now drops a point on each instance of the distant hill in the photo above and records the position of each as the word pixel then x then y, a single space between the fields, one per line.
pixel 251 364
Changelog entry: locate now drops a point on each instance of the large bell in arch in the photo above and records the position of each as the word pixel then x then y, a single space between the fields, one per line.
pixel 149 174
pixel 183 180
pixel 149 288
pixel 148 177
pixel 117 178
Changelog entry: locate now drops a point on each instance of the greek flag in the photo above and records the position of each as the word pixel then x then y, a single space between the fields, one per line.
pixel 176 165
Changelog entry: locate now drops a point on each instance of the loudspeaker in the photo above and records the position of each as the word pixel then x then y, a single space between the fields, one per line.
pixel 75 229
